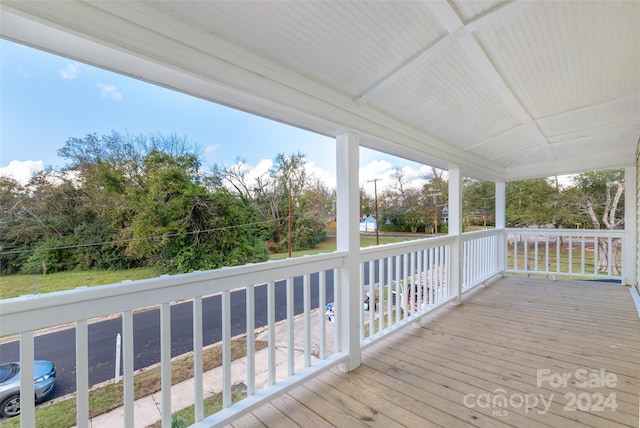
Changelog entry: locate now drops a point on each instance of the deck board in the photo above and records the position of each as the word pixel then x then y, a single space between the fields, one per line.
pixel 432 372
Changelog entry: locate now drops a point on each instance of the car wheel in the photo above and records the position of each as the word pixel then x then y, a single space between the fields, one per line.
pixel 10 407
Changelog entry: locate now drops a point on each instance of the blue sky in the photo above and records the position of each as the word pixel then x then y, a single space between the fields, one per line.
pixel 47 99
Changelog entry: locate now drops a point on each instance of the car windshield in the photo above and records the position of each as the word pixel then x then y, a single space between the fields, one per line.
pixel 7 371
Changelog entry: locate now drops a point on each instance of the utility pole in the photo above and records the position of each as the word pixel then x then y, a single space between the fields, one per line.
pixel 435 211
pixel 375 195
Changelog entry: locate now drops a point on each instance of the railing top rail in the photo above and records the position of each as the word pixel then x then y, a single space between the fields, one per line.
pixel 480 233
pixel 567 232
pixel 397 248
pixel 88 302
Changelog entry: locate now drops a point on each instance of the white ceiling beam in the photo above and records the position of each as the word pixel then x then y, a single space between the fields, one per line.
pixel 616 127
pixel 423 56
pixel 486 68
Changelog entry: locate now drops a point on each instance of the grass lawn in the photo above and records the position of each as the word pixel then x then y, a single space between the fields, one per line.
pixel 330 245
pixel 19 285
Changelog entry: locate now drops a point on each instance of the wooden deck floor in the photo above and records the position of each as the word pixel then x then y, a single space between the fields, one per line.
pixel 496 360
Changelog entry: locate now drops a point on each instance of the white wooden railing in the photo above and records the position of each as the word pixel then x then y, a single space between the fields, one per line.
pixel 398 283
pixel 570 253
pixel 479 257
pixel 25 315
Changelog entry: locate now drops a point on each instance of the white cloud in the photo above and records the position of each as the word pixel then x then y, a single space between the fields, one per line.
pixel 325 177
pixel 69 72
pixel 109 91
pixel 22 171
pixel 251 173
pixel 211 149
pixel 383 171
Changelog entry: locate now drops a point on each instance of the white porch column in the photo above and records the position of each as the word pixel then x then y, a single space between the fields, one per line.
pixel 455 229
pixel 501 224
pixel 348 239
pixel 630 237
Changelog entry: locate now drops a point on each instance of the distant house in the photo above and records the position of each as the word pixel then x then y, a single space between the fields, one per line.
pixel 369 224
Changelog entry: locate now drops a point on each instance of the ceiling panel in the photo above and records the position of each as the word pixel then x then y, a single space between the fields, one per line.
pixel 624 112
pixel 447 98
pixel 344 45
pixel 559 56
pixel 509 145
pixel 469 10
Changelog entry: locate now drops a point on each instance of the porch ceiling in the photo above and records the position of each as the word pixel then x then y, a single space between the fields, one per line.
pixel 506 90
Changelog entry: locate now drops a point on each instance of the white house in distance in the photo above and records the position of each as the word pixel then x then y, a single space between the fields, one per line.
pixel 369 224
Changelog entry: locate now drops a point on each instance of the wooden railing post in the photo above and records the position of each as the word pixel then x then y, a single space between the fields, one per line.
pixel 501 221
pixel 348 300
pixel 629 245
pixel 456 256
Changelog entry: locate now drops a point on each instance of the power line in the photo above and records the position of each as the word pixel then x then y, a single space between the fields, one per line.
pixel 149 238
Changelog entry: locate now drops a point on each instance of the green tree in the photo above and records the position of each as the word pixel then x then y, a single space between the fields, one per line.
pixel 182 226
pixel 530 202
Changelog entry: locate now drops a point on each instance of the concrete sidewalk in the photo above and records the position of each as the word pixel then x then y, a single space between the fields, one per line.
pixel 147 410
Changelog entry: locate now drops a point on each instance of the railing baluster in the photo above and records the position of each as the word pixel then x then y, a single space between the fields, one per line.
pixel 27 405
pixel 466 264
pixel 546 255
pixel 570 254
pixel 251 341
pixel 271 332
pixel 414 283
pixel 434 274
pixel 372 306
pixel 379 301
pixel 389 275
pixel 226 349
pixel 515 252
pixel 165 363
pixel 582 254
pixel 290 329
pixel 322 305
pixel 361 284
pixel 128 355
pixel 306 284
pixel 610 256
pixel 198 384
pixel 558 245
pixel 337 332
pixel 596 249
pixel 535 255
pixel 526 253
pixel 82 374
pixel 421 278
pixel 476 261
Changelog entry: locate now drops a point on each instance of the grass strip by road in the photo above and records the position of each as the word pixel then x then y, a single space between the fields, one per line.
pixel 213 404
pixel 62 414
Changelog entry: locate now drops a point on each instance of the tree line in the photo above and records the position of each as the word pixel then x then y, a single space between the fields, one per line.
pixel 129 201
pixel 593 200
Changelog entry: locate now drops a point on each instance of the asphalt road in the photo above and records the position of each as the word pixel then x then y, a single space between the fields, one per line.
pixel 59 346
